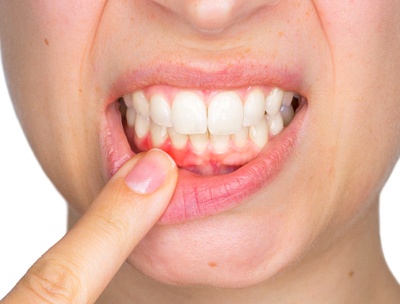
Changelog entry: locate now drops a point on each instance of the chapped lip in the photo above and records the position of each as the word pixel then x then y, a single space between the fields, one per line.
pixel 199 196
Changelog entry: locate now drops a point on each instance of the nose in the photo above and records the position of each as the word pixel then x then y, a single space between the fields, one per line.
pixel 213 15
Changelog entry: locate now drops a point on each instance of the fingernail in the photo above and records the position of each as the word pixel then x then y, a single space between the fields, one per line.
pixel 149 172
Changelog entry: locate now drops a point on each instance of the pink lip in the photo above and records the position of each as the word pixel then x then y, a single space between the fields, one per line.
pixel 199 196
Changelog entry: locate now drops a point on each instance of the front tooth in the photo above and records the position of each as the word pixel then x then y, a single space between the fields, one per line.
pixel 199 142
pixel 158 135
pixel 275 123
pixel 240 139
pixel 178 140
pixel 160 111
pixel 220 143
pixel 287 98
pixel 189 114
pixel 130 116
pixel 142 126
pixel 128 100
pixel 287 114
pixel 225 114
pixel 254 108
pixel 141 103
pixel 274 101
pixel 259 133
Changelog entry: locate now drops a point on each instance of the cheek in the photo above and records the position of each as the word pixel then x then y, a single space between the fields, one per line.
pixel 356 30
pixel 364 45
pixel 44 45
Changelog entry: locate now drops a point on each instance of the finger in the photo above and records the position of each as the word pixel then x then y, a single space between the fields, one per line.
pixel 79 267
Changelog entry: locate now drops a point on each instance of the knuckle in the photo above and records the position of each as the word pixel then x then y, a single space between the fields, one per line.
pixel 53 281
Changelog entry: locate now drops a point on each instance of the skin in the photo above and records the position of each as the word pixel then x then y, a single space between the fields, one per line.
pixel 61 59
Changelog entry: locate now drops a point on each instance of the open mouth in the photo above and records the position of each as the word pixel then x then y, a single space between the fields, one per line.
pixel 207 132
pixel 228 141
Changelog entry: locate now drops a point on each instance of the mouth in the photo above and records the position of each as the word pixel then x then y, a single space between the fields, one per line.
pixel 227 143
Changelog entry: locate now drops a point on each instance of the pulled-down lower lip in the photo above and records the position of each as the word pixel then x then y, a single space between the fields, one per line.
pixel 198 196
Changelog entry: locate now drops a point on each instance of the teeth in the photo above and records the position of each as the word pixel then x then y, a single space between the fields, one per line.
pixel 254 107
pixel 274 101
pixel 225 114
pixel 128 100
pixel 141 104
pixel 287 114
pixel 220 143
pixel 158 135
pixel 189 114
pixel 227 123
pixel 160 111
pixel 199 142
pixel 259 133
pixel 130 116
pixel 240 139
pixel 275 123
pixel 142 126
pixel 178 140
pixel 287 98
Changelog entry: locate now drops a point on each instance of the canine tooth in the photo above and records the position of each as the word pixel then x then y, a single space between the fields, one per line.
pixel 273 101
pixel 275 123
pixel 220 143
pixel 160 111
pixel 259 133
pixel 240 139
pixel 127 100
pixel 287 114
pixel 189 114
pixel 130 116
pixel 225 114
pixel 158 135
pixel 141 103
pixel 142 126
pixel 199 142
pixel 287 98
pixel 178 140
pixel 254 108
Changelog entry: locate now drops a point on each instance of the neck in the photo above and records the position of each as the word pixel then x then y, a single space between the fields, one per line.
pixel 350 270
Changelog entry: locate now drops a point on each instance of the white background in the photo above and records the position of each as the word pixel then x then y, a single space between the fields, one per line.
pixel 33 214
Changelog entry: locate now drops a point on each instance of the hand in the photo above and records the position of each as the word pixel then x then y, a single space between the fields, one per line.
pixel 79 267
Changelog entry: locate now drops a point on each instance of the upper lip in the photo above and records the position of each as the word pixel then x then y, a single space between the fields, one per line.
pixel 203 76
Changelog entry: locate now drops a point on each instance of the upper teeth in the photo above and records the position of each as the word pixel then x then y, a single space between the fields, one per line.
pixel 160 111
pixel 254 108
pixel 189 114
pixel 226 113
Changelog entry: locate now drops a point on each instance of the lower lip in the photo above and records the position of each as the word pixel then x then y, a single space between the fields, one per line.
pixel 199 196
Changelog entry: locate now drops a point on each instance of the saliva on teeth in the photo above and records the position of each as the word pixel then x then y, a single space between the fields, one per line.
pixel 208 134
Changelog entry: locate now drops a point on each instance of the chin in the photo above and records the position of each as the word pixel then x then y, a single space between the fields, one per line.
pixel 235 249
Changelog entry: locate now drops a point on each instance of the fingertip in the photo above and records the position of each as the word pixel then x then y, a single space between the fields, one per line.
pixel 150 172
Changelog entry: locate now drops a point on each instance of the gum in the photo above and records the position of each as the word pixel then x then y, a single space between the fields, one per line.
pixel 170 92
pixel 208 162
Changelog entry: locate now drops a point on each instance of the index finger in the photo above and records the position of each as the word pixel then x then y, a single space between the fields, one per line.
pixel 79 267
